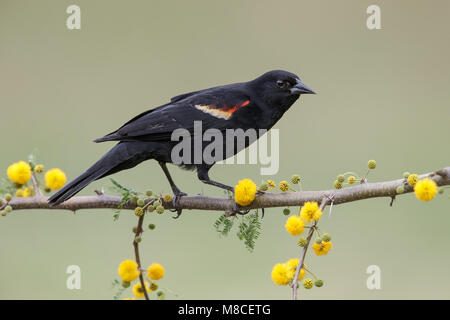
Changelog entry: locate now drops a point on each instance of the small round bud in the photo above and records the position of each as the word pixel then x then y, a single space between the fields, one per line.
pixel 441 190
pixel 134 199
pixel 340 178
pixel 263 187
pixel 286 211
pixel 406 174
pixel 134 229
pixel 351 180
pixel 47 190
pixel 8 197
pixel 159 209
pixel 284 186
pixel 8 209
pixel 151 208
pixel 39 168
pixel 151 226
pixel 308 283
pixel 400 190
pixel 156 203
pixel 138 211
pixel 318 283
pixel 412 179
pixel 295 179
pixel 125 284
pixel 159 293
pixel 3 213
pixel 302 242
pixel 19 193
pixel 153 286
pixel 167 198
pixel 318 240
pixel 326 237
pixel 372 164
pixel 337 184
pixel 138 239
pixel 140 202
pixel 148 193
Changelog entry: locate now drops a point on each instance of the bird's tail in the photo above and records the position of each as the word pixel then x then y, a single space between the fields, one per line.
pixel 118 158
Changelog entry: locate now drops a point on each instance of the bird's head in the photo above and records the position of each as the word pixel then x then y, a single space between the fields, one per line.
pixel 279 89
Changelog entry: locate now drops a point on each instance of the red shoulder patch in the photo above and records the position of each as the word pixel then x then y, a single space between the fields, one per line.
pixel 224 112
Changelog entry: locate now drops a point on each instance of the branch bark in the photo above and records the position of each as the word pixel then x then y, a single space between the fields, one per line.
pixel 267 200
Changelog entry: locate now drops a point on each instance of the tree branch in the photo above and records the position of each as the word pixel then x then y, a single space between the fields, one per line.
pixel 267 200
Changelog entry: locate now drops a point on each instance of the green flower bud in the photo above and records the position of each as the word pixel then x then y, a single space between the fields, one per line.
pixel 286 211
pixel 47 190
pixel 156 203
pixel 400 190
pixel 3 213
pixel 138 211
pixel 8 197
pixel 151 208
pixel 302 242
pixel 138 239
pixel 318 283
pixel 340 178
pixel 326 237
pixel 134 199
pixel 308 283
pixel 159 209
pixel 153 286
pixel 125 284
pixel 337 184
pixel 295 179
pixel 441 190
pixel 151 226
pixel 160 293
pixel 263 187
pixel 134 229
pixel 319 240
pixel 372 164
pixel 8 209
pixel 406 174
pixel 39 168
pixel 140 202
pixel 167 198
pixel 148 193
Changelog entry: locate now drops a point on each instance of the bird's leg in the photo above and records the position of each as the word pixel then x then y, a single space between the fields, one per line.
pixel 178 194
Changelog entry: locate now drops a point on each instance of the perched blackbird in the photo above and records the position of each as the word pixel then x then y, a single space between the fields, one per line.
pixel 257 104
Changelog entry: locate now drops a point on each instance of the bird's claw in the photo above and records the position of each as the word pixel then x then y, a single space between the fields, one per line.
pixel 176 204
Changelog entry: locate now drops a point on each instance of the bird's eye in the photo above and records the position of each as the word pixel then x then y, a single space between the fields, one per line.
pixel 282 84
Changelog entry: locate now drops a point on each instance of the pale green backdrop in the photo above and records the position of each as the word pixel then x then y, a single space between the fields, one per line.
pixel 382 94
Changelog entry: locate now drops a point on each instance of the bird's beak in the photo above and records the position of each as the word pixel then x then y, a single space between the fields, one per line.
pixel 301 88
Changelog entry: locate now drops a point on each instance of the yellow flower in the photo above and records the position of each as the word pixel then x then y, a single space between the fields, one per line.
pixel 55 179
pixel 322 248
pixel 308 283
pixel 244 192
pixel 351 179
pixel 128 270
pixel 155 271
pixel 280 274
pixel 39 168
pixel 271 184
pixel 425 190
pixel 292 268
pixel 19 193
pixel 412 179
pixel 138 291
pixel 284 186
pixel 19 172
pixel 310 211
pixel 295 225
pixel 27 192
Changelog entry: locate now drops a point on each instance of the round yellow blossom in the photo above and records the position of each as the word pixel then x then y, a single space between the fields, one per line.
pixel 351 180
pixel 280 274
pixel 244 192
pixel 295 225
pixel 284 186
pixel 155 271
pixel 55 179
pixel 19 193
pixel 322 248
pixel 138 291
pixel 128 270
pixel 425 190
pixel 271 184
pixel 308 283
pixel 371 164
pixel 39 168
pixel 19 172
pixel 291 265
pixel 310 211
pixel 27 192
pixel 412 179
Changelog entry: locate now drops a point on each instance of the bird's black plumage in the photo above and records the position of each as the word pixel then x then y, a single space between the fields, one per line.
pixel 257 104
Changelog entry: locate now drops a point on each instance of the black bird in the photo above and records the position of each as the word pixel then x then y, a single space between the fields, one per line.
pixel 257 104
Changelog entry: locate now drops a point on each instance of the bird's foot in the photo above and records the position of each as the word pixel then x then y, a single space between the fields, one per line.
pixel 176 204
pixel 237 209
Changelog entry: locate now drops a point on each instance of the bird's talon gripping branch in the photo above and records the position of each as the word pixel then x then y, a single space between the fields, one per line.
pixel 176 204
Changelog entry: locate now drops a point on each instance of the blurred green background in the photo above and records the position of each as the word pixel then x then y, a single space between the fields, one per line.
pixel 382 94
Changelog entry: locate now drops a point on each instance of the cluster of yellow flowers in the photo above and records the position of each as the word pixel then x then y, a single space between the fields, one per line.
pixel 21 174
pixel 424 190
pixel 283 273
pixel 129 271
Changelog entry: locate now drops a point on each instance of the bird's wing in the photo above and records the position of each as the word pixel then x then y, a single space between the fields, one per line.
pixel 213 107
